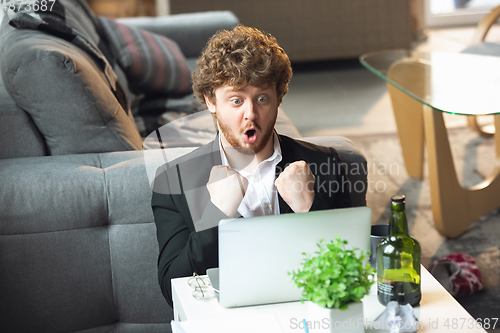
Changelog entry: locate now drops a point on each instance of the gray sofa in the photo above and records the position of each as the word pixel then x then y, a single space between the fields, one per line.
pixel 78 249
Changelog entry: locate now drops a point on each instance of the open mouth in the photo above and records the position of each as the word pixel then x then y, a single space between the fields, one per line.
pixel 250 135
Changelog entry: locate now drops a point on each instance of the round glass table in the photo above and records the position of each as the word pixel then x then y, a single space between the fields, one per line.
pixel 424 85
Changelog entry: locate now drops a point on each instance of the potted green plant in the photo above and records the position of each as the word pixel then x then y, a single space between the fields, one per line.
pixel 334 281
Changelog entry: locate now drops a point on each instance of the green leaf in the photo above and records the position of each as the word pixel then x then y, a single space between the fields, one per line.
pixel 334 276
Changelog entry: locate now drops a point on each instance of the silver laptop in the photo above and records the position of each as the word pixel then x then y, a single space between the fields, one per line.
pixel 256 254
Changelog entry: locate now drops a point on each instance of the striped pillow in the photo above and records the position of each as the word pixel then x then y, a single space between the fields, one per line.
pixel 153 64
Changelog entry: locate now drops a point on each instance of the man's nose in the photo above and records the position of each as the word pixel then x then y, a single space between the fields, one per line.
pixel 251 111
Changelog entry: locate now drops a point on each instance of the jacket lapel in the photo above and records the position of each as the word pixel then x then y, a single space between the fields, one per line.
pixel 286 157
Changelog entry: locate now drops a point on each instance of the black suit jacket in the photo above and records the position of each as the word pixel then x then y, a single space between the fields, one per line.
pixel 180 197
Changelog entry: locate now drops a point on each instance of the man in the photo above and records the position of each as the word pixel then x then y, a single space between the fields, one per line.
pixel 248 170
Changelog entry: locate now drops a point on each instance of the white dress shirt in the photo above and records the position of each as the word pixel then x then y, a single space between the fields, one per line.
pixel 261 197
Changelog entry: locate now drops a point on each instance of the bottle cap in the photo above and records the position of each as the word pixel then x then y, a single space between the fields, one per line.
pixel 398 198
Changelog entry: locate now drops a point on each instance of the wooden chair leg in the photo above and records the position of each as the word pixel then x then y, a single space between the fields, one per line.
pixel 486 131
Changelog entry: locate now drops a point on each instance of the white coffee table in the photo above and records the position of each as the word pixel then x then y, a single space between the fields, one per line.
pixel 438 311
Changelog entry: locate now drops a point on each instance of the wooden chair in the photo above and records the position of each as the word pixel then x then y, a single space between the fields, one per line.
pixel 479 37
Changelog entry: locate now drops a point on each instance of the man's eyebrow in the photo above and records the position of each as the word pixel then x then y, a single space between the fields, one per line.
pixel 266 88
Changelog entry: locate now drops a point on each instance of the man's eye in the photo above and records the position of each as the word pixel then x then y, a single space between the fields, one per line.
pixel 236 101
pixel 262 99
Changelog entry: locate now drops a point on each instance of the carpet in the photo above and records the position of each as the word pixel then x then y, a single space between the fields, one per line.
pixel 474 159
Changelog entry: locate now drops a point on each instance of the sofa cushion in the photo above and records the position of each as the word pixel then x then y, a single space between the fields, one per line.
pixel 191 31
pixel 18 133
pixel 65 278
pixel 65 90
pixel 152 63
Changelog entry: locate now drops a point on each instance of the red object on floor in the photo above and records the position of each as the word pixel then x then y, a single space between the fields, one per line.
pixel 458 273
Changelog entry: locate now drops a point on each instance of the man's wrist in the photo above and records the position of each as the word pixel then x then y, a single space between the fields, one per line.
pixel 304 206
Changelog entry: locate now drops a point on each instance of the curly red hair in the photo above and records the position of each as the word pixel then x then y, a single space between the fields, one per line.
pixel 240 57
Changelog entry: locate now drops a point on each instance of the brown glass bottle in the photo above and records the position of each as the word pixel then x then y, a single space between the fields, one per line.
pixel 398 260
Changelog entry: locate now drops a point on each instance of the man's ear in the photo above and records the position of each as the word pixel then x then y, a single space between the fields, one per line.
pixel 210 105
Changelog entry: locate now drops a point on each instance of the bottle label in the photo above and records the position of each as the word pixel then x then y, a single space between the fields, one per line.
pixel 396 288
pixel 384 287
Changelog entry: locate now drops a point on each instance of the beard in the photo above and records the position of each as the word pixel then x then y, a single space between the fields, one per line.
pixel 235 139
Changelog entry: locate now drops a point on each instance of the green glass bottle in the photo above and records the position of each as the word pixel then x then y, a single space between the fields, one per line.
pixel 398 260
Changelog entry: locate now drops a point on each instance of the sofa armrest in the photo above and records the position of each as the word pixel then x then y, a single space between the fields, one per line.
pixel 190 31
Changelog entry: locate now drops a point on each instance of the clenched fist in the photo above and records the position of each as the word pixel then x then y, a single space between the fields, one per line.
pixel 227 189
pixel 296 186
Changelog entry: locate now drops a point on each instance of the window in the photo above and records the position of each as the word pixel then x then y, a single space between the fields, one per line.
pixel 440 13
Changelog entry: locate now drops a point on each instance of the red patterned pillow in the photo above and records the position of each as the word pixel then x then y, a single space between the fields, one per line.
pixel 152 63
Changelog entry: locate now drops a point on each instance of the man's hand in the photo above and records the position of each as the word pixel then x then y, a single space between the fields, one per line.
pixel 296 186
pixel 227 189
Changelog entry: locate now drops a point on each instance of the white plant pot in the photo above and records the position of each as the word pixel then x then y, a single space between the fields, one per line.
pixel 322 320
